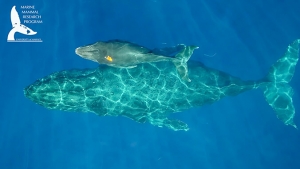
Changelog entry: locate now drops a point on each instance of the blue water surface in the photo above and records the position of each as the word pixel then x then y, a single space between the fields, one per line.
pixel 243 38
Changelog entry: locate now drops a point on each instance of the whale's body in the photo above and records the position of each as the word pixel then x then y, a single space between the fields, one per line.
pixel 149 92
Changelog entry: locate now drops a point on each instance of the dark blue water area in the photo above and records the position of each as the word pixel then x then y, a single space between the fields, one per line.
pixel 242 38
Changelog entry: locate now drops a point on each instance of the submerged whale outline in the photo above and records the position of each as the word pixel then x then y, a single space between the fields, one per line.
pixel 151 91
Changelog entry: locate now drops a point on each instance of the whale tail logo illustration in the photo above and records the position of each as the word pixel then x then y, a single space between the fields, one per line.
pixel 277 91
pixel 17 26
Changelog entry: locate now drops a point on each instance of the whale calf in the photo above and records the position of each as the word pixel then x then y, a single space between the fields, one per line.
pixel 151 91
pixel 123 54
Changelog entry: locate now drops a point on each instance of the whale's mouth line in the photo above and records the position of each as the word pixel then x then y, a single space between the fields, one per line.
pixel 85 52
pixel 82 50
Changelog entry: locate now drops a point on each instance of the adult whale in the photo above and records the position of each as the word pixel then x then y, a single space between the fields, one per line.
pixel 151 91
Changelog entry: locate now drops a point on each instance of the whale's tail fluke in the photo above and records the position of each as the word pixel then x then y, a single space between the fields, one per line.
pixel 278 92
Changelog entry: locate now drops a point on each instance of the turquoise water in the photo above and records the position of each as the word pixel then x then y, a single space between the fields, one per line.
pixel 240 38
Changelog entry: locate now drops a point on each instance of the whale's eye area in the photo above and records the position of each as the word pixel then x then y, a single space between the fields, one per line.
pixel 108 58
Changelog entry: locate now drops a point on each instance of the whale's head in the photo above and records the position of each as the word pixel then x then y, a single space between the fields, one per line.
pixel 96 52
pixel 43 92
pixel 58 91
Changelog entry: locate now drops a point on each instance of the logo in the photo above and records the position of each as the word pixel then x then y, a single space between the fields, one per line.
pixel 28 12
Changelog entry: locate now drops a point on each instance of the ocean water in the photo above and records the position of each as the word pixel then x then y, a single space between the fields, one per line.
pixel 243 38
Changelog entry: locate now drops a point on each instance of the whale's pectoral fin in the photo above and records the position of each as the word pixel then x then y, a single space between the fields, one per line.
pixel 172 124
pixel 180 62
pixel 139 117
pixel 176 125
